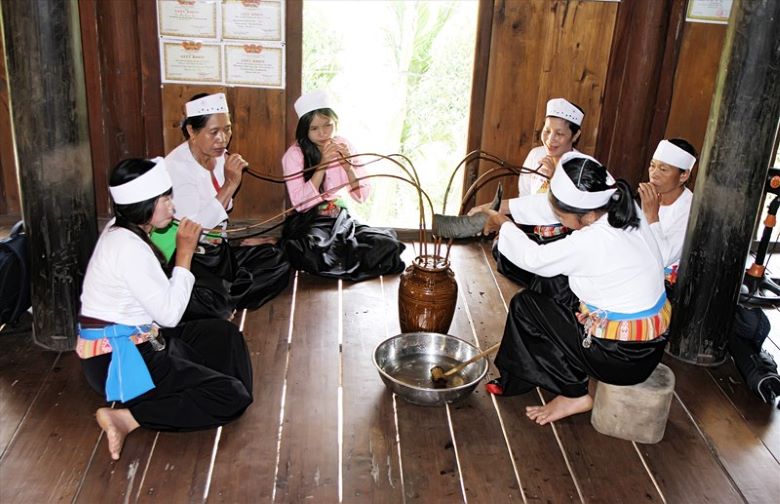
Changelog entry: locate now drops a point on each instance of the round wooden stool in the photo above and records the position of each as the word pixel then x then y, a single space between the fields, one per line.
pixel 635 412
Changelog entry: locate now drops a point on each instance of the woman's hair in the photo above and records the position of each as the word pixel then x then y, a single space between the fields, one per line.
pixel 590 176
pixel 311 154
pixel 573 127
pixel 197 122
pixel 133 215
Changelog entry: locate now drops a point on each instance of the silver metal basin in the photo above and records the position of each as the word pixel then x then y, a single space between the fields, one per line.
pixel 404 363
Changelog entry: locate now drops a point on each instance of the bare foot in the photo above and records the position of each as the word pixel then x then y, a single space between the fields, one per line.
pixel 117 424
pixel 558 408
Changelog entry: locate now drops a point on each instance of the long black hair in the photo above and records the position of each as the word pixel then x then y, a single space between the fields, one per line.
pixel 134 215
pixel 572 126
pixel 311 154
pixel 590 176
pixel 197 122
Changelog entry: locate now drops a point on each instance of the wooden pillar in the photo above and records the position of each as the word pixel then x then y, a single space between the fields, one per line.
pixel 639 84
pixel 734 164
pixel 46 82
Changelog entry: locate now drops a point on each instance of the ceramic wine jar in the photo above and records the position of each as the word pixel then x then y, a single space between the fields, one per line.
pixel 427 295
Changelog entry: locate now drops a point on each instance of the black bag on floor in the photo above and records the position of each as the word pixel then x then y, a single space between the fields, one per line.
pixel 757 367
pixel 14 275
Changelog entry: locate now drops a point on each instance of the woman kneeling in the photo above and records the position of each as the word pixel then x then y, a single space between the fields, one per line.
pixel 194 376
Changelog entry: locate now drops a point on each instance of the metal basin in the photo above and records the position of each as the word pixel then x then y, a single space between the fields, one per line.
pixel 404 362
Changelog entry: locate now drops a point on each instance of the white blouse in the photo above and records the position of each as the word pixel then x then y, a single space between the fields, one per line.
pixel 669 231
pixel 530 183
pixel 612 269
pixel 125 283
pixel 194 194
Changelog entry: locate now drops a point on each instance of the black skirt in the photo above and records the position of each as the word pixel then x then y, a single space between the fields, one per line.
pixel 228 277
pixel 203 378
pixel 340 247
pixel 542 346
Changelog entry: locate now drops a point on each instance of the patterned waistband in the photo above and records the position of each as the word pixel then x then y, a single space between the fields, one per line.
pixel 86 348
pixel 645 328
pixel 670 274
pixel 550 231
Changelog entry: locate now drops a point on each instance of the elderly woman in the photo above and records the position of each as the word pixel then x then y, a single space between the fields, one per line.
pixel 666 202
pixel 205 179
pixel 194 376
pixel 560 134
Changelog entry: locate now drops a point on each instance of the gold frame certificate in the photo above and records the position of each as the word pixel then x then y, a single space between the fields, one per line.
pixel 253 20
pixel 254 65
pixel 191 61
pixel 187 18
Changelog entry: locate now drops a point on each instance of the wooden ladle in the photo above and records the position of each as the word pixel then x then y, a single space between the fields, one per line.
pixel 439 375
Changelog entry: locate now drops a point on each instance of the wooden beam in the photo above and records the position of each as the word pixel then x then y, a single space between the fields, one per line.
pixel 734 164
pixel 641 65
pixel 46 81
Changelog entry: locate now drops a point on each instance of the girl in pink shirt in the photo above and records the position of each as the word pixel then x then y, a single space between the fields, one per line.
pixel 321 237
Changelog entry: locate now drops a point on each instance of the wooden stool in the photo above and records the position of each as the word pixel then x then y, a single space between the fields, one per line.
pixel 635 412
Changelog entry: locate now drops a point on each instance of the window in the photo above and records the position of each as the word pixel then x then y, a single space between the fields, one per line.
pixel 400 72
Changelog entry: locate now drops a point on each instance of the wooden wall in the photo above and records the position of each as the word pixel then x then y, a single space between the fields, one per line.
pixel 9 187
pixel 527 52
pixel 542 49
pixel 694 84
pixel 133 115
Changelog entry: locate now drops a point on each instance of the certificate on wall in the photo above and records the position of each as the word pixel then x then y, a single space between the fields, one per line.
pixel 187 18
pixel 227 42
pixel 252 20
pixel 254 65
pixel 709 11
pixel 189 61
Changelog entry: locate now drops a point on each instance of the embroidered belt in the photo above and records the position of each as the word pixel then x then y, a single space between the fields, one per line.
pixel 550 231
pixel 670 274
pixel 646 325
pixel 128 377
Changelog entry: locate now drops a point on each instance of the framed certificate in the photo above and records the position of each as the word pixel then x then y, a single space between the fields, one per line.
pixel 709 11
pixel 252 20
pixel 187 18
pixel 254 65
pixel 226 42
pixel 188 61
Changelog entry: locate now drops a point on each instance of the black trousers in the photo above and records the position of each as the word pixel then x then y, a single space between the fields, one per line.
pixel 340 247
pixel 203 377
pixel 229 277
pixel 542 346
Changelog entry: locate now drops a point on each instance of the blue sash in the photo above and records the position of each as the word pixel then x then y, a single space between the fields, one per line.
pixel 610 315
pixel 128 376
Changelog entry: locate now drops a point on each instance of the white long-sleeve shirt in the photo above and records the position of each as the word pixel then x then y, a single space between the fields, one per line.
pixel 669 231
pixel 125 283
pixel 194 194
pixel 612 269
pixel 530 183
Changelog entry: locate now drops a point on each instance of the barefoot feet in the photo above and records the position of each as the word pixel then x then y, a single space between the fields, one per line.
pixel 558 408
pixel 117 424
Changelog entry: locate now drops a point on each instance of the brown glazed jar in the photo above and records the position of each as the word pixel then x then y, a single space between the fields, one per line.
pixel 427 295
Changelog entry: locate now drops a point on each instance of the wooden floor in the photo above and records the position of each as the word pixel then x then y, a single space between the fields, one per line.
pixel 324 429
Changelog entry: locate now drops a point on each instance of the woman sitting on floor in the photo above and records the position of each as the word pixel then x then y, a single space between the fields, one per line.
pixel 321 238
pixel 194 376
pixel 205 179
pixel 614 267
pixel 560 134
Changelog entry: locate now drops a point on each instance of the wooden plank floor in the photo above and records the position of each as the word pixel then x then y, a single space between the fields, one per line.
pixel 323 428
